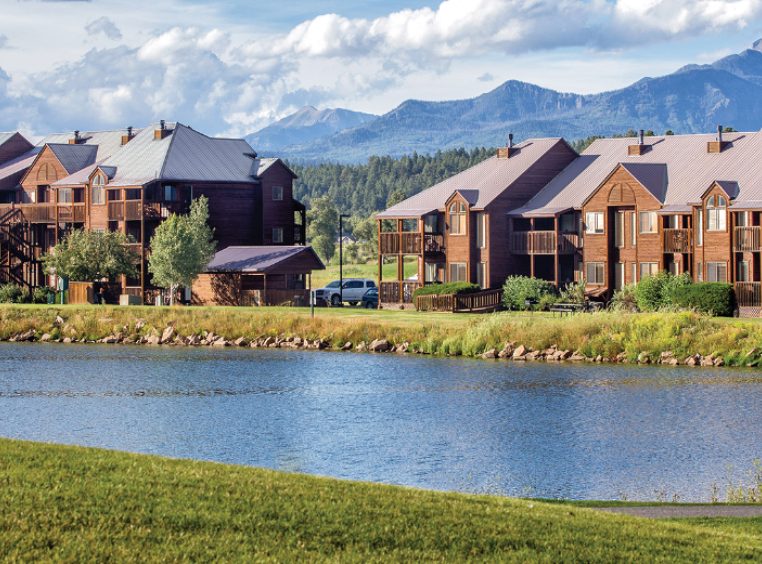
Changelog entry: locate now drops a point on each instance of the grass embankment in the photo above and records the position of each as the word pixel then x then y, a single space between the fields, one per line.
pixel 71 503
pixel 606 334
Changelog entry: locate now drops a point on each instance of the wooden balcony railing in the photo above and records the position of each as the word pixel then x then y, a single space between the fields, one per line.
pixel 543 243
pixel 397 292
pixel 678 240
pixel 46 212
pixel 130 210
pixel 747 239
pixel 400 243
pixel 749 294
pixel 487 300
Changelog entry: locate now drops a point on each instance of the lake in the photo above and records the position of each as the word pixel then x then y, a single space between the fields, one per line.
pixel 533 429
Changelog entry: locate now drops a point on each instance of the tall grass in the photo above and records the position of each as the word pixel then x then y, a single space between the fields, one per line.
pixel 606 334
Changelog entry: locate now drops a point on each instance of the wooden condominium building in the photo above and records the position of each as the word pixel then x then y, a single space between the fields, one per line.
pixel 130 180
pixel 623 209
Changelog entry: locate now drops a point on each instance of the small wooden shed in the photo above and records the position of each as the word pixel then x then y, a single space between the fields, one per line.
pixel 258 275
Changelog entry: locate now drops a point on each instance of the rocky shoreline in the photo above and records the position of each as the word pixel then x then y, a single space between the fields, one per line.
pixel 511 351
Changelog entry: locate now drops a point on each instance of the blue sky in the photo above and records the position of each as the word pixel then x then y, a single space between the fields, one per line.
pixel 232 67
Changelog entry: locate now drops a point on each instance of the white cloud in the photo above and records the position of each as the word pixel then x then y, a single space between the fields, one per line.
pixel 105 26
pixel 3 40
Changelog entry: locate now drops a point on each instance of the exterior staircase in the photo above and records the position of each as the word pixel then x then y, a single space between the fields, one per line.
pixel 18 262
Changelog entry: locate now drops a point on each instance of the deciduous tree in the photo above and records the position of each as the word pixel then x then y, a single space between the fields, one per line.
pixel 89 256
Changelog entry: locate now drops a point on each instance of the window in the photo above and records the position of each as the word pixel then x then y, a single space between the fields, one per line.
pixel 647 222
pixel 716 213
pixel 699 272
pixel 353 285
pixel 594 273
pixel 742 219
pixel 170 194
pixel 431 223
pixel 594 222
pixel 277 234
pixel 716 272
pixel 481 230
pixel 567 223
pixel 458 272
pixel 277 193
pixel 633 269
pixel 65 195
pixel 481 274
pixel 457 218
pixel 431 272
pixel 619 230
pixel 699 229
pixel 648 269
pixel 98 190
pixel 673 268
pixel 370 284
pixel 742 272
pixel 633 230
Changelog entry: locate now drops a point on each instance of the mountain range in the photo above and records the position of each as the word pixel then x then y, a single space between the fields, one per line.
pixel 695 98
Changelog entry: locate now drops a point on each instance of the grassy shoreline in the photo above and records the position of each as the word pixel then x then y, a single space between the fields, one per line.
pixel 609 336
pixel 73 503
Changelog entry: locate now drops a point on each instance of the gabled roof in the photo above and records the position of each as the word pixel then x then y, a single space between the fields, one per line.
pixel 265 259
pixel 690 169
pixel 652 176
pixel 6 135
pixel 12 171
pixel 74 157
pixel 107 142
pixel 488 179
pixel 730 188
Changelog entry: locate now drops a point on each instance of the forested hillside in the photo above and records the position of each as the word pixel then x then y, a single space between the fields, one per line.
pixel 362 189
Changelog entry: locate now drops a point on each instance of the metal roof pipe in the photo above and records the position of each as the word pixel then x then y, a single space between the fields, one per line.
pixel 641 135
pixel 719 133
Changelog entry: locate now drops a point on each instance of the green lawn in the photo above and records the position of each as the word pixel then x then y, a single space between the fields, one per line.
pixel 75 504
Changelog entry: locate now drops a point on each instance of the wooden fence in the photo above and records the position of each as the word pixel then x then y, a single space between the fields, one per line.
pixel 488 300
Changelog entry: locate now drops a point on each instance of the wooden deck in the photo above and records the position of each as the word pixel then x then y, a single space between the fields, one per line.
pixel 486 301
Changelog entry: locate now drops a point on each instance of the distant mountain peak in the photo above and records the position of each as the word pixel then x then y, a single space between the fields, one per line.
pixel 757 45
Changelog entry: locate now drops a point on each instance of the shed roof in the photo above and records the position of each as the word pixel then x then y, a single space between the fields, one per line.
pixel 265 259
pixel 487 179
pixel 689 168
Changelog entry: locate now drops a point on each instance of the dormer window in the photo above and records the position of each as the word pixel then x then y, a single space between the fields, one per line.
pixel 457 218
pixel 98 190
pixel 716 213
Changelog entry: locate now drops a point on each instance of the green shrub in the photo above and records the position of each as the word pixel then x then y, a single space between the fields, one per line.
pixel 714 298
pixel 40 295
pixel 446 289
pixel 656 292
pixel 624 299
pixel 574 292
pixel 518 289
pixel 11 294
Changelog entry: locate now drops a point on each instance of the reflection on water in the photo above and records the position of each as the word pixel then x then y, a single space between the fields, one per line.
pixel 576 431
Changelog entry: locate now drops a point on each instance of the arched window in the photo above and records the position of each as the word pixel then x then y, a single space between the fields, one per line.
pixel 716 213
pixel 457 218
pixel 98 190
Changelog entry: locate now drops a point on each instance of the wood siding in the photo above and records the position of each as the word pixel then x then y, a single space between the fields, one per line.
pixel 276 213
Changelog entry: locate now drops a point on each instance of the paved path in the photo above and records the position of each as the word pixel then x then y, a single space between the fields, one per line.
pixel 672 511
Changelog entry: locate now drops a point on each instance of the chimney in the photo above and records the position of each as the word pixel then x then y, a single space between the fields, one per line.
pixel 641 148
pixel 162 132
pixel 719 145
pixel 126 138
pixel 76 140
pixel 507 151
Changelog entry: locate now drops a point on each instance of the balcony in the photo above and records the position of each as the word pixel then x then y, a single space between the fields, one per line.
pixel 678 240
pixel 747 239
pixel 132 210
pixel 46 212
pixel 543 243
pixel 749 294
pixel 397 292
pixel 400 243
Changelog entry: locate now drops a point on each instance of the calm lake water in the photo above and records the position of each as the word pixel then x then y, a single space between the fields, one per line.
pixel 575 431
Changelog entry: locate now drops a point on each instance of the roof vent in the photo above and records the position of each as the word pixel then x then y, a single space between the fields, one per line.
pixel 162 132
pixel 639 149
pixel 719 145
pixel 130 135
pixel 508 151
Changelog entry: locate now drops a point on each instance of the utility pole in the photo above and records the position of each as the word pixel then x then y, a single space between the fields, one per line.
pixel 341 256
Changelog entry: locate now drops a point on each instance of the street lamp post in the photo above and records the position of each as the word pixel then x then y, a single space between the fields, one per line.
pixel 341 256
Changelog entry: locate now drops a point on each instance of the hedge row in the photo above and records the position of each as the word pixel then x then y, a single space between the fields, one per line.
pixel 714 298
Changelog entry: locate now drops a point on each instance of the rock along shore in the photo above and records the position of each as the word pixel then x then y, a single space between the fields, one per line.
pixel 511 351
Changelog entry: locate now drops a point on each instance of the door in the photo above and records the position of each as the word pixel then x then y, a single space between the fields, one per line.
pixel 618 275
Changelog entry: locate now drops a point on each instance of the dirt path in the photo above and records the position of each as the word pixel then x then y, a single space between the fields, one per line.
pixel 674 511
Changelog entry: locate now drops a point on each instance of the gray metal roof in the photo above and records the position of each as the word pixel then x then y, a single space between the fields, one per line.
pixel 108 142
pixel 261 259
pixel 74 157
pixel 18 166
pixel 690 170
pixel 652 176
pixel 5 135
pixel 488 179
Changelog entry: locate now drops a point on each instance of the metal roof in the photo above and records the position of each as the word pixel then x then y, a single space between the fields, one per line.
pixel 6 135
pixel 108 142
pixel 261 259
pixel 488 179
pixel 690 170
pixel 74 157
pixel 652 176
pixel 18 166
